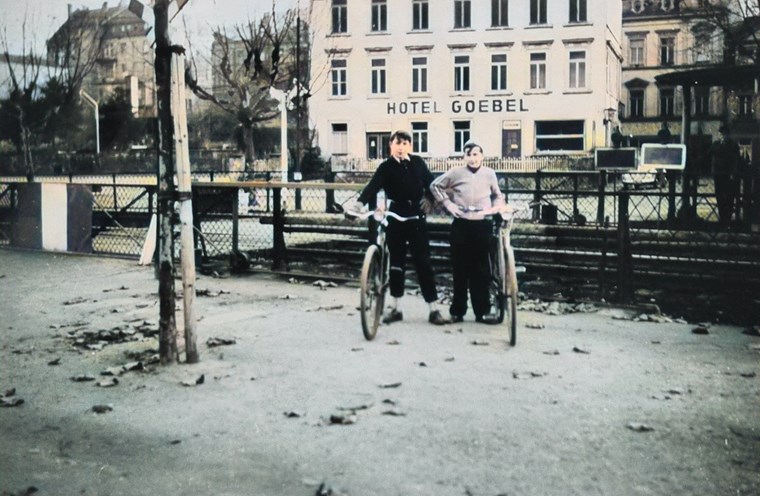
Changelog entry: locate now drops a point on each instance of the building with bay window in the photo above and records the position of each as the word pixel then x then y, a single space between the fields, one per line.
pixel 662 38
pixel 522 78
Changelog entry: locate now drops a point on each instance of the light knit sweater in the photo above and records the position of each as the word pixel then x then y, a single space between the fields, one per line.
pixel 473 191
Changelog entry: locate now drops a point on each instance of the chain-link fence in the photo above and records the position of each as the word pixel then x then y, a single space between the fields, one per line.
pixel 618 234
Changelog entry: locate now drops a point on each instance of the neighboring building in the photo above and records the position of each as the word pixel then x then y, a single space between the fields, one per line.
pixel 519 77
pixel 117 40
pixel 670 36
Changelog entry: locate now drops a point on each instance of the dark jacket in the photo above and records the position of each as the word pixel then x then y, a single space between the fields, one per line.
pixel 725 157
pixel 405 183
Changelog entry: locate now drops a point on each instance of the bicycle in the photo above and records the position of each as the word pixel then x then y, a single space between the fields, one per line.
pixel 375 274
pixel 503 285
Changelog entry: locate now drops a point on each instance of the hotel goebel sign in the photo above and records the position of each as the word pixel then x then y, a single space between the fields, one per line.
pixel 458 106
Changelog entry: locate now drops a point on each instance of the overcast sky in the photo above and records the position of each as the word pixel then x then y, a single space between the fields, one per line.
pixel 43 17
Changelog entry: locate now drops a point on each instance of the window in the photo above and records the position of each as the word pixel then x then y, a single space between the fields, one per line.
pixel 340 139
pixel 636 103
pixel 637 6
pixel 339 16
pixel 420 14
pixel 745 149
pixel 745 105
pixel 499 72
pixel 701 101
pixel 667 5
pixel 499 13
pixel 538 12
pixel 339 85
pixel 419 137
pixel 377 82
pixel 377 144
pixel 462 73
pixel 461 135
pixel 419 75
pixel 667 102
pixel 577 69
pixel 703 46
pixel 537 71
pixel 462 17
pixel 379 15
pixel 637 51
pixel 559 136
pixel 578 11
pixel 667 50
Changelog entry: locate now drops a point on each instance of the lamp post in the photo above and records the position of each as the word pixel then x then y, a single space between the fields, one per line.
pixel 95 105
pixel 281 98
pixel 609 115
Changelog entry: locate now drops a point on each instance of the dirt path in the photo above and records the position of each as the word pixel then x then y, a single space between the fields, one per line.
pixel 586 404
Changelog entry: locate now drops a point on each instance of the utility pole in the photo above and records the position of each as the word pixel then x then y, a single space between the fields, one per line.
pixel 297 160
pixel 167 326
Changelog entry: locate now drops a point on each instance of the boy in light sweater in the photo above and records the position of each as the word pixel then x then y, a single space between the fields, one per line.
pixel 470 193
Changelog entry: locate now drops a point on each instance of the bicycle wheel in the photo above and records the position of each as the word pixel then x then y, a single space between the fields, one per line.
pixel 372 292
pixel 511 295
pixel 499 291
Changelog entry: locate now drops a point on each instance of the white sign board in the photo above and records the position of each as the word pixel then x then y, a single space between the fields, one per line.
pixel 662 157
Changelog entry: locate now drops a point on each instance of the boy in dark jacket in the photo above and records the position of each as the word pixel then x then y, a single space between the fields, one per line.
pixel 406 180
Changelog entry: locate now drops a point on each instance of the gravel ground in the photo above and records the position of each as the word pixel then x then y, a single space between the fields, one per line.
pixel 298 403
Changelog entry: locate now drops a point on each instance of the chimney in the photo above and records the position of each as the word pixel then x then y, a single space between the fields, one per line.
pixel 105 5
pixel 71 7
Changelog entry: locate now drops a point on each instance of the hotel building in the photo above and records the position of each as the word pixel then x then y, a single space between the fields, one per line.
pixel 522 78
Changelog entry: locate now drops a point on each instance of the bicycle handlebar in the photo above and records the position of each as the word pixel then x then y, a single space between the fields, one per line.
pixel 385 214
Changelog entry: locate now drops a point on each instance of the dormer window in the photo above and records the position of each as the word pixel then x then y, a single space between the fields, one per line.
pixel 637 6
pixel 667 5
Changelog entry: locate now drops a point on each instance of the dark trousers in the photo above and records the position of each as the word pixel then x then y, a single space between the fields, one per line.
pixel 470 240
pixel 413 235
pixel 726 188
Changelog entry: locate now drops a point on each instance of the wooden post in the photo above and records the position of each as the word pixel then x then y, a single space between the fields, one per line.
pixel 167 325
pixel 537 197
pixel 235 200
pixel 601 195
pixel 278 226
pixel 624 259
pixel 672 178
pixel 184 187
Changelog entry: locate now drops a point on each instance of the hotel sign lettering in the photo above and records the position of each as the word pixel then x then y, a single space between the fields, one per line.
pixel 458 106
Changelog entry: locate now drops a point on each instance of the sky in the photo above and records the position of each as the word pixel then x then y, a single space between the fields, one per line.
pixel 43 17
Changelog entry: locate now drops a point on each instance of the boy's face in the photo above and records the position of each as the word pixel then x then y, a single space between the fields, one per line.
pixel 400 148
pixel 474 157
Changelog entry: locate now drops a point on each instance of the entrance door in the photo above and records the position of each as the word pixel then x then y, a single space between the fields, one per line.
pixel 510 143
pixel 378 145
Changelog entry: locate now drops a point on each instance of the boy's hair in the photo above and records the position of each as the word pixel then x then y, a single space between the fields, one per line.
pixel 469 146
pixel 402 135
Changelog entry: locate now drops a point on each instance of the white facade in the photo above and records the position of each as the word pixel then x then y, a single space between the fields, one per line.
pixel 520 77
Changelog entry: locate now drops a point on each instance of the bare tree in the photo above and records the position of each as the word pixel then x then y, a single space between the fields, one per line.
pixel 35 99
pixel 737 22
pixel 245 65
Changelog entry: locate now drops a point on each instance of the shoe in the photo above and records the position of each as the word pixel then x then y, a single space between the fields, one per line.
pixel 456 319
pixel 436 318
pixel 392 316
pixel 486 319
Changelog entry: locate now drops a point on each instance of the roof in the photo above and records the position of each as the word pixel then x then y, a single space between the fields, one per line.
pixel 724 75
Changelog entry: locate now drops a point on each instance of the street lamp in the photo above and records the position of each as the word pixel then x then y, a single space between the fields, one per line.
pixel 609 114
pixel 95 105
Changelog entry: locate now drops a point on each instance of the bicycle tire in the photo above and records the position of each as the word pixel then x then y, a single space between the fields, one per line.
pixel 500 294
pixel 372 292
pixel 511 296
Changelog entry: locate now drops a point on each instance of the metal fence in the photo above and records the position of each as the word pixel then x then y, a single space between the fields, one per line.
pixel 589 224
